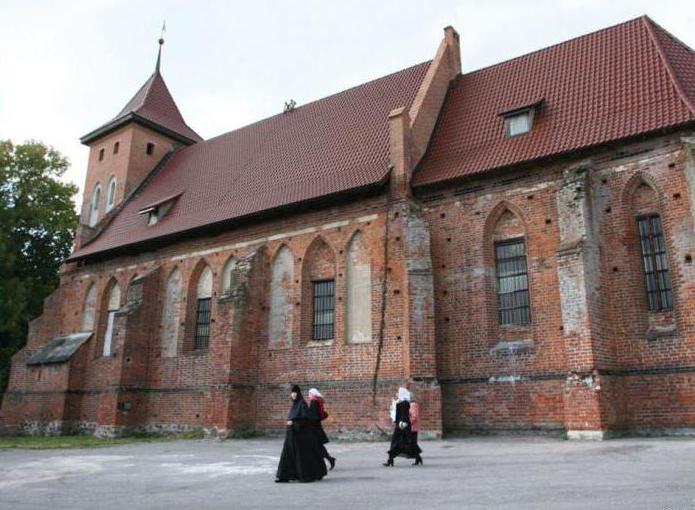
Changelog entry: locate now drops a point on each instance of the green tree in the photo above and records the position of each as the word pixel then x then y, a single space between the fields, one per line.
pixel 37 228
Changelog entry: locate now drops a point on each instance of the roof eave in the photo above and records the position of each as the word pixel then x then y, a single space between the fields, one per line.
pixel 426 187
pixel 119 122
pixel 266 214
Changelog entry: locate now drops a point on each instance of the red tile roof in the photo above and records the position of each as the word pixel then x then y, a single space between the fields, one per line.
pixel 622 81
pixel 619 82
pixel 330 146
pixel 153 106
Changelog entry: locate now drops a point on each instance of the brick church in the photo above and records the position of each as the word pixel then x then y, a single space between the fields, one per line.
pixel 514 244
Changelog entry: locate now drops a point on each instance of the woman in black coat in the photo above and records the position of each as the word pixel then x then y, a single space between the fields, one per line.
pixel 317 414
pixel 301 457
pixel 404 440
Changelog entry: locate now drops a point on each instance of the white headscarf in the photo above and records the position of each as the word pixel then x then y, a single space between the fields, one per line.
pixel 403 394
pixel 313 392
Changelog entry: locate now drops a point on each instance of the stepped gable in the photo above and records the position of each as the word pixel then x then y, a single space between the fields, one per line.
pixel 619 82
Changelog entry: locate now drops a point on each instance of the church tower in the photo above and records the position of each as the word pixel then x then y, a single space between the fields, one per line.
pixel 124 151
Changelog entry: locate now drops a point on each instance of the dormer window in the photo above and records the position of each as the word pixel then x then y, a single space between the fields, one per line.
pixel 153 216
pixel 156 211
pixel 519 120
pixel 518 124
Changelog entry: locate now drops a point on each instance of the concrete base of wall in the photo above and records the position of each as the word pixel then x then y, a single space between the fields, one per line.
pixel 533 432
pixel 586 435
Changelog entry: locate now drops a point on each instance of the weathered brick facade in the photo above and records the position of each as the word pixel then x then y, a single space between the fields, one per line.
pixel 415 301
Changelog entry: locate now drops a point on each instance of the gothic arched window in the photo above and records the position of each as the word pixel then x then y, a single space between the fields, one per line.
pixel 358 283
pixel 112 306
pixel 94 211
pixel 201 340
pixel 228 277
pixel 89 309
pixel 655 267
pixel 318 292
pixel 171 314
pixel 509 243
pixel 281 314
pixel 110 194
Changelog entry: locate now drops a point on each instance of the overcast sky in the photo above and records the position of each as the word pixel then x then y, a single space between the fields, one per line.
pixel 66 67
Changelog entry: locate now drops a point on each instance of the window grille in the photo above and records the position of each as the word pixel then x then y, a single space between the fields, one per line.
pixel 202 324
pixel 512 282
pixel 324 310
pixel 655 263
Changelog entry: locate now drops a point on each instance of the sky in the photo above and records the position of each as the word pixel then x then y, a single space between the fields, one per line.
pixel 67 67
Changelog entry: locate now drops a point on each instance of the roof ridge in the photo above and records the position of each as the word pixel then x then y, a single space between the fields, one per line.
pixel 669 34
pixel 546 48
pixel 650 26
pixel 148 91
pixel 144 90
pixel 157 73
pixel 321 99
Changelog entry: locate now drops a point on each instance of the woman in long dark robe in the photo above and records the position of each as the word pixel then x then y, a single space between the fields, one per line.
pixel 403 441
pixel 317 414
pixel 301 457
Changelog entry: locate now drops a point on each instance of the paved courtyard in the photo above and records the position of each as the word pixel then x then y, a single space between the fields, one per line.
pixel 491 472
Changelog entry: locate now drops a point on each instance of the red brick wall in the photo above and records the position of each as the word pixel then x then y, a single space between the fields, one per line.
pixel 614 378
pixel 130 165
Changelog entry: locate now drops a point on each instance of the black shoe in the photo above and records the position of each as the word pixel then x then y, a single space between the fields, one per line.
pixel 331 461
pixel 281 480
pixel 418 461
pixel 388 463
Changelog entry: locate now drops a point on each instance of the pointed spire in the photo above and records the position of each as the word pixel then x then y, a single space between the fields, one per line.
pixel 153 107
pixel 161 43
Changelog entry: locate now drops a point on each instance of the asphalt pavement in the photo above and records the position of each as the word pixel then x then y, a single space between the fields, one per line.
pixel 476 473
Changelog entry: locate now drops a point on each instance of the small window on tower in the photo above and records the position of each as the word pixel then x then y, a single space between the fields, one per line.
pixel 150 148
pixel 115 147
pixel 110 194
pixel 101 154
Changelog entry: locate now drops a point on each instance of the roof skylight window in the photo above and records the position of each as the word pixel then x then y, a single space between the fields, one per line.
pixel 519 120
pixel 519 124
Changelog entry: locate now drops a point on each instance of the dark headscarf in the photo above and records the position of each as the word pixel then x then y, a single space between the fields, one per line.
pixel 299 409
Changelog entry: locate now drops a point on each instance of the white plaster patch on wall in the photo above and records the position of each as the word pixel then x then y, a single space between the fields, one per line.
pixel 244 244
pixel 335 224
pixel 171 315
pixel 536 187
pixel 55 468
pixel 283 235
pixel 358 282
pixel 365 219
pixel 281 316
